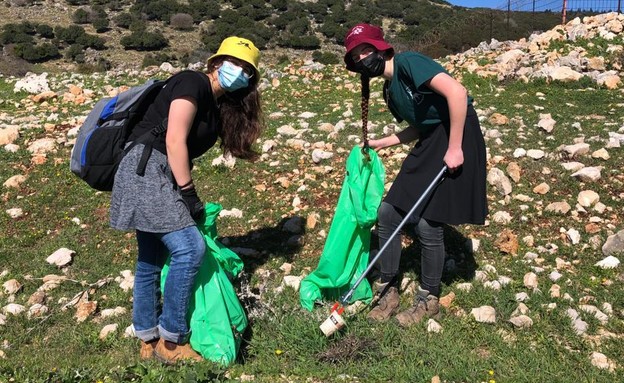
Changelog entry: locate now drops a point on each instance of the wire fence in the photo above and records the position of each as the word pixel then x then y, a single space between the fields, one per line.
pixel 601 6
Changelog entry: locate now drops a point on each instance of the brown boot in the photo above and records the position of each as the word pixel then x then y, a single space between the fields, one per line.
pixel 170 352
pixel 426 306
pixel 147 349
pixel 387 299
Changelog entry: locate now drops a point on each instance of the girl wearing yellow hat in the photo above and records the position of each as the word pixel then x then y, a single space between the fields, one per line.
pixel 195 109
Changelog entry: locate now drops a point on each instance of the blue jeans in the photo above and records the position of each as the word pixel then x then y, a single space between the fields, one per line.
pixel 187 247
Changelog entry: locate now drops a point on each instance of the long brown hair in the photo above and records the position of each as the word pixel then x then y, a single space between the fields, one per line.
pixel 365 81
pixel 241 114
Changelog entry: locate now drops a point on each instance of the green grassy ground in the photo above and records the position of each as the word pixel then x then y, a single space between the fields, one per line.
pixel 285 343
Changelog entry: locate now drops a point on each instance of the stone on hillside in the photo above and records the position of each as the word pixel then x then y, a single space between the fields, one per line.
pixel 38 296
pixel 32 83
pixel 2 319
pixel 109 313
pixel 268 146
pixel 519 152
pixel 522 309
pixel 591 309
pixel 535 154
pixel 521 297
pixel 44 96
pixel 61 257
pixel 507 242
pixel 433 326
pixel 521 321
pixel 558 207
pixel 484 314
pixel 107 330
pixel 564 74
pixel 447 300
pixel 307 115
pixel 574 236
pixel 12 286
pixel 292 281
pixel 502 217
pixel 465 286
pixel 15 212
pixel 614 244
pixel 498 119
pixel 226 160
pixel 530 280
pixel 318 155
pixel 126 280
pixel 575 150
pixel 234 213
pixel 588 174
pixel 555 291
pixel 13 309
pixel 609 80
pixel 287 130
pixel 601 361
pixel 546 123
pixel 14 181
pixel 542 188
pixel 572 166
pixel 42 146
pixel 8 134
pixel 609 262
pixel 513 170
pixel 84 308
pixel 587 198
pixel 499 180
pixel 601 154
pixel 555 276
pixel 286 268
pixel 37 310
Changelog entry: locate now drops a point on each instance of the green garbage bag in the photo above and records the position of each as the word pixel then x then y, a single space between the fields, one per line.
pixel 217 318
pixel 345 254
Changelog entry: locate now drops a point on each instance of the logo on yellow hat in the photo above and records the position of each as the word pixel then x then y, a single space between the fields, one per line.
pixel 240 48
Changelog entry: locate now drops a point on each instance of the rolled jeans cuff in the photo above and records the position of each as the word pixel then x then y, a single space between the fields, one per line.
pixel 147 335
pixel 173 337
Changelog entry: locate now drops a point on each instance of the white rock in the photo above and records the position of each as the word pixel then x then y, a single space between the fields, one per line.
pixel 126 280
pixel 286 268
pixel 15 212
pixel 433 326
pixel 601 154
pixel 576 149
pixel 61 257
pixel 268 146
pixel 37 310
pixel 521 321
pixel 521 297
pixel 530 280
pixel 609 262
pixel 108 313
pixel 587 198
pixel 234 213
pixel 502 217
pixel 555 276
pixel 601 361
pixel 580 326
pixel 108 329
pixel 226 160
pixel 484 314
pixel 13 308
pixel 522 309
pixel 287 130
pixel 12 286
pixel 573 166
pixel 519 153
pixel 306 115
pixel 292 281
pixel 318 155
pixel 588 174
pixel 546 122
pixel 574 236
pixel 535 154
pixel 466 286
pixel 602 317
pixel 32 83
pixel 2 319
pixel 494 285
pixel 129 332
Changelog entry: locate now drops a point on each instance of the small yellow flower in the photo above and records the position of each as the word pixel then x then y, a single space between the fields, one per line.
pixel 492 381
pixel 491 372
pixel 278 352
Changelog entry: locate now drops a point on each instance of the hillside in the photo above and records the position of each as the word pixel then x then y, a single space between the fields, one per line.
pixel 134 33
pixel 534 295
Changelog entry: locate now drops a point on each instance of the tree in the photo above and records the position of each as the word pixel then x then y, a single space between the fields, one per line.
pixel 101 24
pixel 81 16
pixel 182 21
pixel 123 20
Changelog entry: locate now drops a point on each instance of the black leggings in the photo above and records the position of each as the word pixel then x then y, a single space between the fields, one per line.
pixel 431 236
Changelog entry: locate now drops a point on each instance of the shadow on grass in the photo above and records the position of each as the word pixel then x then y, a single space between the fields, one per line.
pixel 459 262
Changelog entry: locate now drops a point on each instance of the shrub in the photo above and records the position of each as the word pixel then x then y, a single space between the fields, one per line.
pixel 325 57
pixel 138 26
pixel 81 16
pixel 75 52
pixel 21 3
pixel 45 31
pixel 144 41
pixel 91 41
pixel 123 20
pixel 182 21
pixel 70 34
pixel 161 9
pixel 36 53
pixel 154 59
pixel 204 9
pixel 13 35
pixel 101 24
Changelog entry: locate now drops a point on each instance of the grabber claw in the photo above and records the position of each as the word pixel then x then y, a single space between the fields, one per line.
pixel 337 307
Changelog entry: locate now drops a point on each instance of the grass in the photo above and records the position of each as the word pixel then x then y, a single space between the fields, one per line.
pixel 284 344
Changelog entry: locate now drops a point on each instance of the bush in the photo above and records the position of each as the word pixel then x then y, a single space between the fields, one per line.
pixel 325 57
pixel 154 59
pixel 204 9
pixel 45 31
pixel 75 52
pixel 70 34
pixel 13 34
pixel 91 41
pixel 101 24
pixel 123 20
pixel 81 16
pixel 182 21
pixel 161 9
pixel 36 53
pixel 144 41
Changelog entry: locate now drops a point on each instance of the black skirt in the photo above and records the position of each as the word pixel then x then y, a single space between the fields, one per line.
pixel 461 197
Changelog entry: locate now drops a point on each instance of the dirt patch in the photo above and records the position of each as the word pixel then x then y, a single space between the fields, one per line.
pixel 346 349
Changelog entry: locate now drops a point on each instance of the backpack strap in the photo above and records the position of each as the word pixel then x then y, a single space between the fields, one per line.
pixel 148 139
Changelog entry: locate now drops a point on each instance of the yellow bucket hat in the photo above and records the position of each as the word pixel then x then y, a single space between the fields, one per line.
pixel 240 48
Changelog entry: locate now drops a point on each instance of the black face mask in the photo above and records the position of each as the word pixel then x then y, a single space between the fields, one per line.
pixel 372 65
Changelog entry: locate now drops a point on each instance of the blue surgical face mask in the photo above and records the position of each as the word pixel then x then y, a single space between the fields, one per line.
pixel 232 77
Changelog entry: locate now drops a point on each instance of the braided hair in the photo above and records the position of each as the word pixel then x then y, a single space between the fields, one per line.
pixel 365 80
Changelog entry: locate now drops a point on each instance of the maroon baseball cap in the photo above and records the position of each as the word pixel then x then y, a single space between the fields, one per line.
pixel 363 34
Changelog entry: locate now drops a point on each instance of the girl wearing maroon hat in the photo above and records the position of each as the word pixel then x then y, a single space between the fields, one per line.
pixel 441 118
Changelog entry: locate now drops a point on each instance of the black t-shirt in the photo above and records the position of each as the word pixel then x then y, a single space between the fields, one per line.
pixel 206 125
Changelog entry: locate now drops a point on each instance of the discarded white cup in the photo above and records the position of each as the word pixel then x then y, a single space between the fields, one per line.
pixel 332 324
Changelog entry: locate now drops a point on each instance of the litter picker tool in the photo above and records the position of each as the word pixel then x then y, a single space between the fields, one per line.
pixel 335 321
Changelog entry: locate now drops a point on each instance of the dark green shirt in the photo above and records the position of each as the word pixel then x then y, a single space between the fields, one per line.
pixel 407 96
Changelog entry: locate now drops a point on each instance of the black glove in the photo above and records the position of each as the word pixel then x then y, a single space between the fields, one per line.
pixel 193 203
